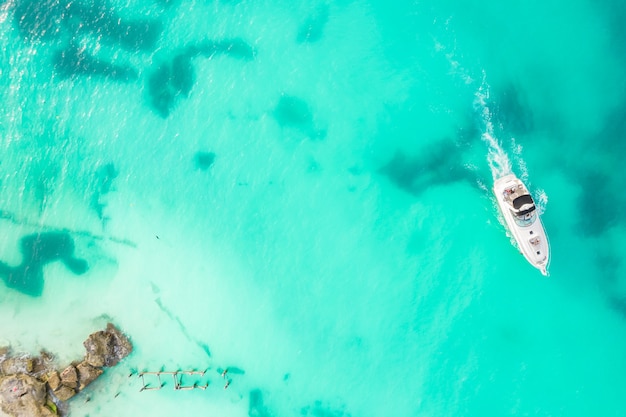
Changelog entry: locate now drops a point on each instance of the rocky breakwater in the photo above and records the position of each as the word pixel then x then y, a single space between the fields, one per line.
pixel 34 387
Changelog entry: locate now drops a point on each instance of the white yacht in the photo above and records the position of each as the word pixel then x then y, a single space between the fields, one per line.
pixel 522 220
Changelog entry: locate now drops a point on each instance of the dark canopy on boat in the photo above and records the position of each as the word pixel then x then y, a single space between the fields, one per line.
pixel 520 201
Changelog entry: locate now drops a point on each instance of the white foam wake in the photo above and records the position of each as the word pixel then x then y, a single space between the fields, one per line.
pixel 496 156
pixel 541 201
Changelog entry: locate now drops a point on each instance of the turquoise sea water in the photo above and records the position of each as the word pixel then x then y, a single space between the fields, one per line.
pixel 301 192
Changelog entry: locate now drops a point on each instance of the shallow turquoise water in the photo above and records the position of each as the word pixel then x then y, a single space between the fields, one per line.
pixel 302 192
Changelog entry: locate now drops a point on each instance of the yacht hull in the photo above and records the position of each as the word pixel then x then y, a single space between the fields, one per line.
pixel 530 236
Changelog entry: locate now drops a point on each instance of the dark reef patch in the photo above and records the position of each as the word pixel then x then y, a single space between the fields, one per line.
pixel 204 160
pixel 318 409
pixel 600 207
pixel 513 110
pixel 74 61
pixel 256 406
pixel 294 112
pixel 312 30
pixel 610 141
pixel 100 20
pixel 182 75
pixel 70 22
pixel 41 19
pixel 202 345
pixel 47 19
pixel 38 250
pixel 161 89
pixel 171 81
pixel 441 165
pixel 601 203
pixel 234 48
pixel 103 185
pixel 175 78
pixel 106 174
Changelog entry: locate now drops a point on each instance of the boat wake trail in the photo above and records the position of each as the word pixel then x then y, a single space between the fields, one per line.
pixel 497 158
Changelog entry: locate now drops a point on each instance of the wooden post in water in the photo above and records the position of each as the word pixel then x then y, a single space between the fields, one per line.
pixel 177 380
pixel 146 387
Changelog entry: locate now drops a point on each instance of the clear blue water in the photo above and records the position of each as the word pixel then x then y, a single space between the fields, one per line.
pixel 301 193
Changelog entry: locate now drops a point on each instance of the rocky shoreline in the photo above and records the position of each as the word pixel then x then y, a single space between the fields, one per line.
pixel 34 387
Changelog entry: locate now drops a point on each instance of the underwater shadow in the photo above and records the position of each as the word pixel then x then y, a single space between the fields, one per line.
pixel 48 19
pixel 312 30
pixel 103 184
pixel 602 211
pixel 256 406
pixel 173 79
pixel 73 61
pixel 295 113
pixel 38 250
pixel 204 160
pixel 319 409
pixel 513 110
pixel 440 165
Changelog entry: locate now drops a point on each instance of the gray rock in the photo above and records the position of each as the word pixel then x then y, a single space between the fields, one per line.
pixel 107 347
pixel 17 365
pixel 69 377
pixel 46 356
pixel 54 381
pixel 23 390
pixel 87 374
pixel 40 367
pixel 23 396
pixel 64 393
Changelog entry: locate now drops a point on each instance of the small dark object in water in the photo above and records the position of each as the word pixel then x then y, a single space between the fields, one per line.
pixel 293 111
pixel 204 160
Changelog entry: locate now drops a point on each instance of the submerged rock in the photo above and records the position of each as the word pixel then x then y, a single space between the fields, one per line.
pixel 107 347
